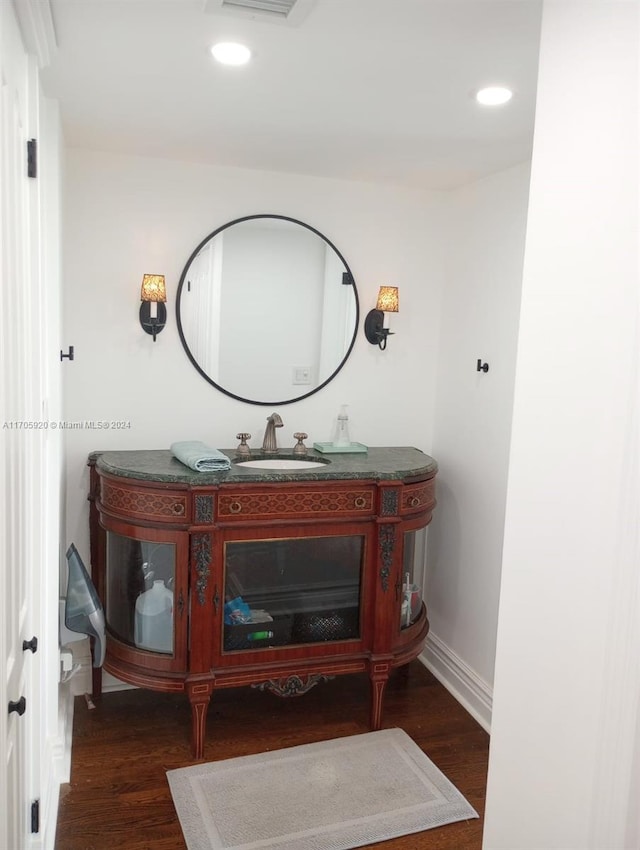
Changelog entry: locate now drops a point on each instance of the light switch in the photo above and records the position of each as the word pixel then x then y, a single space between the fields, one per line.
pixel 302 374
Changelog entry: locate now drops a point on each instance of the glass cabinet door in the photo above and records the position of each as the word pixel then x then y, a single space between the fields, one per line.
pixel 139 588
pixel 283 592
pixel 412 577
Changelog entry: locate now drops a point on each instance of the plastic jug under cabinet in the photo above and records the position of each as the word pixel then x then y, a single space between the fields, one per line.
pixel 411 603
pixel 154 619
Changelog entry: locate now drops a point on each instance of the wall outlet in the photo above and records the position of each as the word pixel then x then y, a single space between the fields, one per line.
pixel 302 374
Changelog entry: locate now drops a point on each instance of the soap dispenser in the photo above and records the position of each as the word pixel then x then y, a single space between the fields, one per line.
pixel 342 437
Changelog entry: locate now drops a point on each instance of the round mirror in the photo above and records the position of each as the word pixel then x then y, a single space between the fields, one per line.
pixel 267 309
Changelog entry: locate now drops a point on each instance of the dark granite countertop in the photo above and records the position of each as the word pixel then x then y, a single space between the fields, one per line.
pixel 393 463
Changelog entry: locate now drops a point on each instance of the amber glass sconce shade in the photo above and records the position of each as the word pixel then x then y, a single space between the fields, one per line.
pixel 153 313
pixel 374 328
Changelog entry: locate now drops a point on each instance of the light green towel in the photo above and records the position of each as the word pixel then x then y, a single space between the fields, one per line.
pixel 200 457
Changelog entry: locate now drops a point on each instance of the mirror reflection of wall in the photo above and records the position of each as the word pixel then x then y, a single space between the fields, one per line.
pixel 267 309
pixel 276 289
pixel 201 309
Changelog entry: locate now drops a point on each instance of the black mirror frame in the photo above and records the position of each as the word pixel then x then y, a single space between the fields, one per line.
pixel 179 320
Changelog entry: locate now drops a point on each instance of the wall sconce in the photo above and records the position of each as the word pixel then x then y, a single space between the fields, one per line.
pixel 374 328
pixel 153 313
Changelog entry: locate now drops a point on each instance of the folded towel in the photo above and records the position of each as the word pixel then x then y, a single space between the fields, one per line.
pixel 200 457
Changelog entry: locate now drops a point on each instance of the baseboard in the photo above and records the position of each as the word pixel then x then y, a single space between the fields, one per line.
pixel 62 745
pixel 58 749
pixel 56 754
pixel 459 679
pixel 82 682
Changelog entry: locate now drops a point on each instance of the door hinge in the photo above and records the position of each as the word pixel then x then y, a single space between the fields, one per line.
pixel 32 158
pixel 35 816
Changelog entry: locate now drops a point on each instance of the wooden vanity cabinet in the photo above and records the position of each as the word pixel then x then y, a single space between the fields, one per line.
pixel 320 564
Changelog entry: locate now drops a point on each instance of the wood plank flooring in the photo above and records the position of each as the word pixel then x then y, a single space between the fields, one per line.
pixel 118 796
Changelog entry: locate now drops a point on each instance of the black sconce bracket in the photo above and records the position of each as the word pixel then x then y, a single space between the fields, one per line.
pixel 374 329
pixel 149 325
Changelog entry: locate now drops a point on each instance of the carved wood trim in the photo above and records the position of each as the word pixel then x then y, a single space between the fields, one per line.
pixel 416 496
pixel 204 508
pixel 293 686
pixel 142 503
pixel 201 560
pixel 389 506
pixel 315 502
pixel 386 544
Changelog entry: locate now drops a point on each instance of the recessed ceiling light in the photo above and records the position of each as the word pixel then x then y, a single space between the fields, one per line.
pixel 231 53
pixel 494 95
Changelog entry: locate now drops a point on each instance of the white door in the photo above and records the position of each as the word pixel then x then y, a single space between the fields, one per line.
pixel 21 443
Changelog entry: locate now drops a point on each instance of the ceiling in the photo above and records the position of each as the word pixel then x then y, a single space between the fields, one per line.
pixel 375 90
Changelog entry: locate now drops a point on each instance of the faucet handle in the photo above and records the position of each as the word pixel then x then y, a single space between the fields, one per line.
pixel 300 448
pixel 243 449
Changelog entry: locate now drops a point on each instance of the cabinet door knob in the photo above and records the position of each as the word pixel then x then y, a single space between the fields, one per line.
pixel 18 707
pixel 30 644
pixel 235 507
pixel 178 509
pixel 360 502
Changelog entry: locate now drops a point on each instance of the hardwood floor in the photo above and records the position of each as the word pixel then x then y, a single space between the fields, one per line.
pixel 118 796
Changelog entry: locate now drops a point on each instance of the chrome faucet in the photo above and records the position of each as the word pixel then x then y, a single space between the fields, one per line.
pixel 269 444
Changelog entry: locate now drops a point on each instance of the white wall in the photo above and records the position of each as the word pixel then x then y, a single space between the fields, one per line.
pixel 567 682
pixel 125 216
pixel 481 302
pixel 295 260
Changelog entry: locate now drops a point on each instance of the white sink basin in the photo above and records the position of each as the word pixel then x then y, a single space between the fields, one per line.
pixel 281 463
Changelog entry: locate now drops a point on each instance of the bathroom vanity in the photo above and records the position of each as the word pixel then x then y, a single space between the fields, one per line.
pixel 278 579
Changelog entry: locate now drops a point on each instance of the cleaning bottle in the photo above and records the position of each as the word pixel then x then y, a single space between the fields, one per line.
pixel 154 619
pixel 342 436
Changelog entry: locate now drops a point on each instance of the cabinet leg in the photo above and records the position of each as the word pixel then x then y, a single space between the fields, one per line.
pixel 199 697
pixel 96 682
pixel 96 673
pixel 379 678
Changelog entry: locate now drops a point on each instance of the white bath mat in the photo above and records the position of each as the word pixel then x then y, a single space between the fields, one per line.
pixel 332 795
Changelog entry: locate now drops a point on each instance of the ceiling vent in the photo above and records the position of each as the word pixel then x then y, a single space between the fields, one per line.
pixel 277 11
